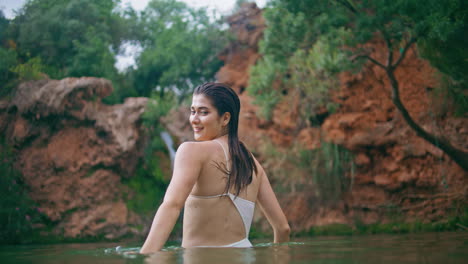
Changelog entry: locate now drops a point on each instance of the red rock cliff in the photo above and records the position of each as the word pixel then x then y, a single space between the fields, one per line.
pixel 73 151
pixel 395 168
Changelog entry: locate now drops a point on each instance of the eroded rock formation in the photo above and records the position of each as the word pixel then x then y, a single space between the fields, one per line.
pixel 396 171
pixel 73 150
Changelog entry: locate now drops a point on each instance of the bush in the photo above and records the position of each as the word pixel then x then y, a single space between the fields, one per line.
pixel 308 74
pixel 30 70
pixel 7 76
pixel 332 169
pixel 18 213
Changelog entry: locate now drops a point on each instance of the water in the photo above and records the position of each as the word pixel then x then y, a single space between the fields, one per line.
pixel 412 248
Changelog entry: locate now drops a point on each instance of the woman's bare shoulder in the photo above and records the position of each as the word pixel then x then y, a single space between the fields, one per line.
pixel 197 144
pixel 200 148
pixel 257 163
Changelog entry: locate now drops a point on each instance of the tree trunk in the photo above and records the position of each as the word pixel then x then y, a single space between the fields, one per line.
pixel 459 156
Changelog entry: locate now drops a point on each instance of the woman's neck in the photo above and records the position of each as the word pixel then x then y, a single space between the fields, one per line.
pixel 223 137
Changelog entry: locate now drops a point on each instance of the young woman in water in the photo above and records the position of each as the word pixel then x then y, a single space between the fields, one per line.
pixel 217 181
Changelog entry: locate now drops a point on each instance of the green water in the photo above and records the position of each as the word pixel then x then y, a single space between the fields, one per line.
pixel 409 248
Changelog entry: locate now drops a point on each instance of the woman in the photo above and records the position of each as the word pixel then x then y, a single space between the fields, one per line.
pixel 217 180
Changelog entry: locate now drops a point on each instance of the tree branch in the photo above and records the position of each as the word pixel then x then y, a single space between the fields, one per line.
pixel 459 156
pixel 349 5
pixel 376 62
pixel 390 49
pixel 405 49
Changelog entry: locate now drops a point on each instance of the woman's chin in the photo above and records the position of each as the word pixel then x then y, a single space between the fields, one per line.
pixel 197 137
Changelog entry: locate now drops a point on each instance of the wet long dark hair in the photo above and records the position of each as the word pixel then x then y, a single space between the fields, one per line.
pixel 224 99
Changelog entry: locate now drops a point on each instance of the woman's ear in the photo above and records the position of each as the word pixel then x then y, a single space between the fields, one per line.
pixel 226 118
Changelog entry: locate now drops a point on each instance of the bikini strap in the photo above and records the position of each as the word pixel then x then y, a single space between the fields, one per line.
pixel 209 196
pixel 224 150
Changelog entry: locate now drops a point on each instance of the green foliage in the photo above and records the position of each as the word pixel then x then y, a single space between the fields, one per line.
pixel 446 51
pixel 18 212
pixel 91 55
pixel 331 168
pixel 7 77
pixel 75 38
pixel 180 47
pixel 149 182
pixel 71 37
pixel 313 73
pixel 450 96
pixel 262 78
pixel 285 32
pixel 298 30
pixel 31 70
pixel 332 229
pixel 277 45
pixel 309 73
pixel 157 108
pixel 3 25
pixel 325 172
pixel 148 186
pixel 8 61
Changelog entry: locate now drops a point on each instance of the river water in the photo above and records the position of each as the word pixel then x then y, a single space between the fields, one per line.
pixel 448 247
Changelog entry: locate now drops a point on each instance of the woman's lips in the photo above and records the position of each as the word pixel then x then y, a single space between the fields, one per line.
pixel 197 129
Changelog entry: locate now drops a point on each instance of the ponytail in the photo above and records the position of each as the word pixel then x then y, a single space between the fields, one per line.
pixel 242 165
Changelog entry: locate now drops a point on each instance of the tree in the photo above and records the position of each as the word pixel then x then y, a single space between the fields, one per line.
pixel 9 58
pixel 72 37
pixel 180 47
pixel 400 23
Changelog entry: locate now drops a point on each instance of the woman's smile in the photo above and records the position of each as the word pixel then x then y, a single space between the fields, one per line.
pixel 197 129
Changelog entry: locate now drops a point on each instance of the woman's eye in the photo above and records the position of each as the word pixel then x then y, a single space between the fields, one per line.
pixel 192 112
pixel 203 112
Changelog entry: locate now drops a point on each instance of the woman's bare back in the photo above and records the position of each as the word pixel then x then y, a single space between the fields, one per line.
pixel 210 216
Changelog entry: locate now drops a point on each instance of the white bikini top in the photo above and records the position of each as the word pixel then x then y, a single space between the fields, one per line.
pixel 243 206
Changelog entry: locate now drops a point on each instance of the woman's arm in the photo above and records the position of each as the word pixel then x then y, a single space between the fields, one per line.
pixel 187 166
pixel 272 210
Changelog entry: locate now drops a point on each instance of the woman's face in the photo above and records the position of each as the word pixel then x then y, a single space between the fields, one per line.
pixel 207 124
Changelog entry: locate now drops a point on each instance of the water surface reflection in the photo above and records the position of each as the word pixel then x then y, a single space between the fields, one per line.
pixel 270 254
pixel 448 247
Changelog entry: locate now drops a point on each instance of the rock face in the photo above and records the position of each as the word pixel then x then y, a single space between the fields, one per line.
pixel 73 151
pixel 396 171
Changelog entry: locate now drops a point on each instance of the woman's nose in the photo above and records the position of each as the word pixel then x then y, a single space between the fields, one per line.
pixel 194 118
